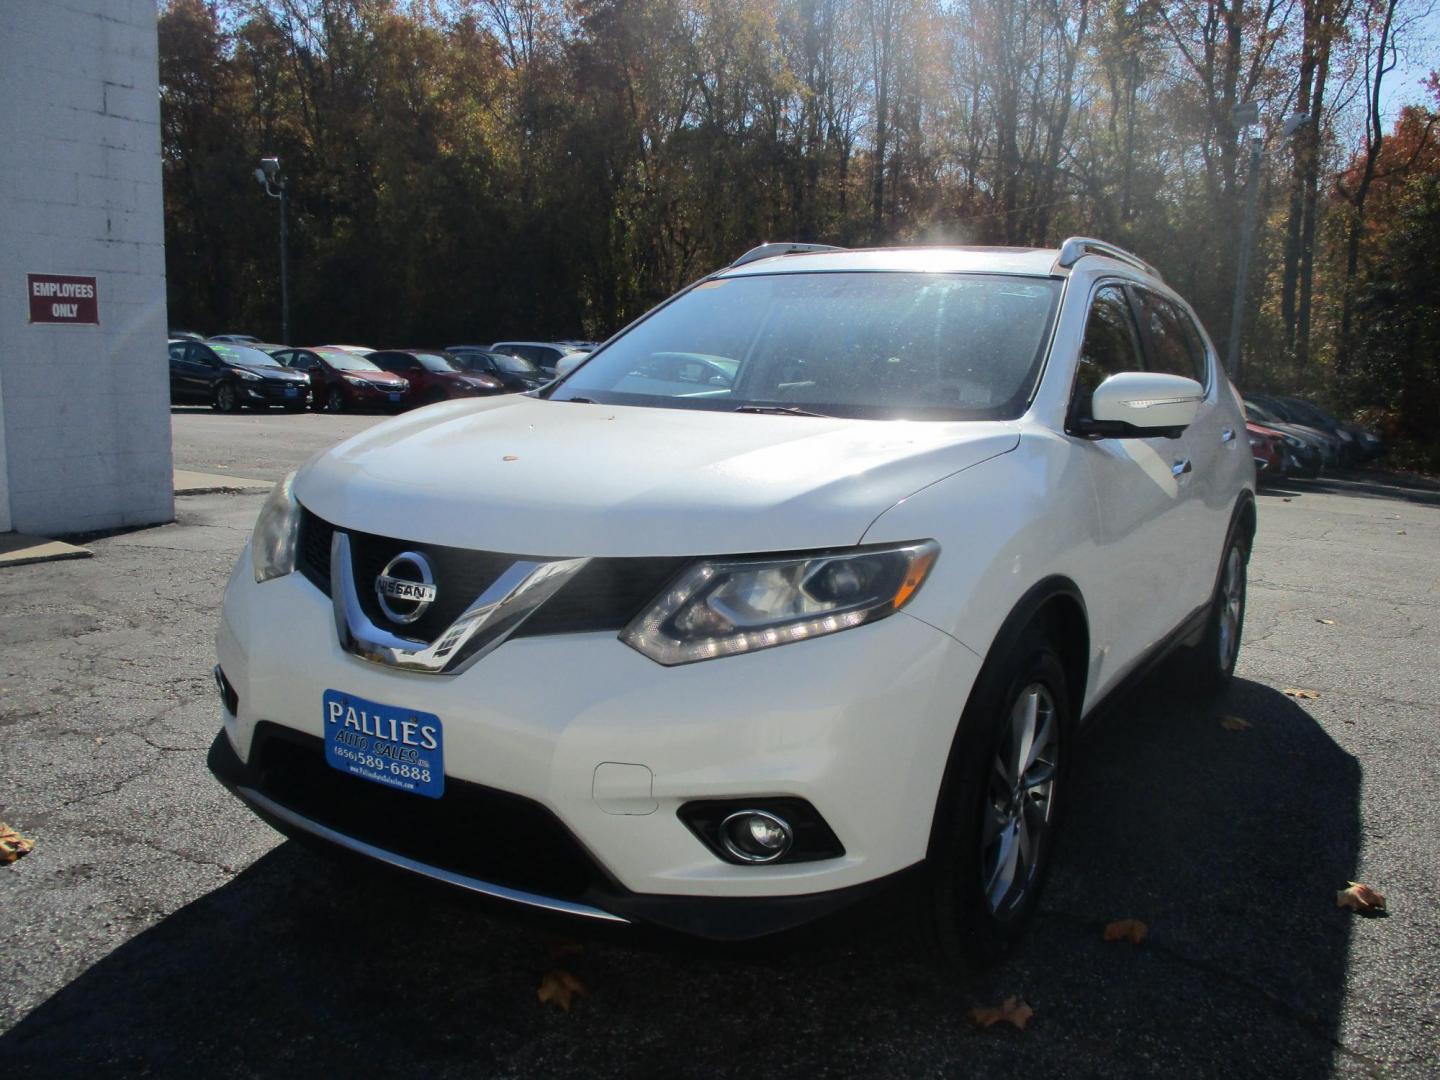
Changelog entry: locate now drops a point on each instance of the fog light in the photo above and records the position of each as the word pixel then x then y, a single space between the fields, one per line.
pixel 756 836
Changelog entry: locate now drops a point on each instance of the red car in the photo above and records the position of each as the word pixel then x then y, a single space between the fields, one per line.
pixel 342 381
pixel 1267 447
pixel 434 375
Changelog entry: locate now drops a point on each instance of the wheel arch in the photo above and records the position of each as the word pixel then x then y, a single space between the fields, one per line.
pixel 1056 603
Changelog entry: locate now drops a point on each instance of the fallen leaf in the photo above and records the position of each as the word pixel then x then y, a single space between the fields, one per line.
pixel 1131 930
pixel 560 988
pixel 1327 622
pixel 1234 723
pixel 1399 532
pixel 1361 898
pixel 1011 1011
pixel 1303 695
pixel 510 457
pixel 12 844
pixel 1285 500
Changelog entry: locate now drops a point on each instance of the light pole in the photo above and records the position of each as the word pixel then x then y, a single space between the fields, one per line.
pixel 1244 117
pixel 277 186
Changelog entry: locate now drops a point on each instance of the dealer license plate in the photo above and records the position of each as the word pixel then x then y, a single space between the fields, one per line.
pixel 394 397
pixel 292 391
pixel 398 747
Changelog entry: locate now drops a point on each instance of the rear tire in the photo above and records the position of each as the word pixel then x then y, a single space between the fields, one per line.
pixel 1208 666
pixel 995 821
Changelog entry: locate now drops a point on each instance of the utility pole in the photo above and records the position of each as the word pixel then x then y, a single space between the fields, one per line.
pixel 1244 117
pixel 1242 268
pixel 277 186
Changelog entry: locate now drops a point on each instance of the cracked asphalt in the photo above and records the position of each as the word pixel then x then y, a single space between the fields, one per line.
pixel 159 929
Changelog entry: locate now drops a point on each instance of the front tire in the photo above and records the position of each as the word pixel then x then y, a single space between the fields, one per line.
pixel 227 398
pixel 334 401
pixel 991 845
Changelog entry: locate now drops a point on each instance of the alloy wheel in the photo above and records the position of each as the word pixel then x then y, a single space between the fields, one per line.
pixel 1232 607
pixel 335 400
pixel 1019 799
pixel 225 397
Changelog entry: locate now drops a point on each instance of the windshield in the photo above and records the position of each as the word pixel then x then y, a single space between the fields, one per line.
pixel 515 365
pixel 346 361
pixel 243 355
pixel 436 362
pixel 864 344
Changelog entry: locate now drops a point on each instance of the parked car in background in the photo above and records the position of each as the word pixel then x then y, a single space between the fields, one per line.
pixel 363 350
pixel 434 375
pixel 516 374
pixel 227 376
pixel 1308 449
pixel 1364 445
pixel 543 354
pixel 344 381
pixel 1268 449
pixel 234 339
pixel 186 335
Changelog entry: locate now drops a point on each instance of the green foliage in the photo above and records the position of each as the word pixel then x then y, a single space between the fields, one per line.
pixel 1398 319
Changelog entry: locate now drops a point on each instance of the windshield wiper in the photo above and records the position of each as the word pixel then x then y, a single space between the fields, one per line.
pixel 782 410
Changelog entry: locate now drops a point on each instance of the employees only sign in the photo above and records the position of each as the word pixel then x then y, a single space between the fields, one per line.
pixel 62 298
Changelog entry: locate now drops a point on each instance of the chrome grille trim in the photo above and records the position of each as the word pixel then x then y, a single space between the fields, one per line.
pixel 491 618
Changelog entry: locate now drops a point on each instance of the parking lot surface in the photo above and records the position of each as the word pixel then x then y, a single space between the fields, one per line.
pixel 159 928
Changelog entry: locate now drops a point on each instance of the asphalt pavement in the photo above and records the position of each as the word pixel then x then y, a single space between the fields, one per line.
pixel 158 928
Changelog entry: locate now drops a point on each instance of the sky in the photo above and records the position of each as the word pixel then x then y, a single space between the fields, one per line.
pixel 1405 85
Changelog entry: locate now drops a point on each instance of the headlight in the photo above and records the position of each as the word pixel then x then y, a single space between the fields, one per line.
pixel 404 385
pixel 726 607
pixel 1293 442
pixel 353 381
pixel 247 374
pixel 272 545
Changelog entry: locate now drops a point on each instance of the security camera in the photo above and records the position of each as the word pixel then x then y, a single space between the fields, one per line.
pixel 270 167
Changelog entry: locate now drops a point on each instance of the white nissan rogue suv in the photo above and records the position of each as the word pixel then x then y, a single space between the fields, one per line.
pixel 800 584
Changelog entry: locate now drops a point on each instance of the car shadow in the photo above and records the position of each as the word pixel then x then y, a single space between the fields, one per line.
pixel 1227 841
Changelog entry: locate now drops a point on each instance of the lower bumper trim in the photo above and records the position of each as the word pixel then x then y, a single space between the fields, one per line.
pixel 715 918
pixel 268 807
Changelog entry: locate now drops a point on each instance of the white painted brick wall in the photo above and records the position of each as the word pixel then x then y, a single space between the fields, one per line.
pixel 84 410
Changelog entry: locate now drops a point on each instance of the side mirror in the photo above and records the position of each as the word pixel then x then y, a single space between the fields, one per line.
pixel 567 364
pixel 1142 405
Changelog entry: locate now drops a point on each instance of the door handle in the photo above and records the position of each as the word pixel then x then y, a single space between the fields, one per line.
pixel 1228 435
pixel 1180 468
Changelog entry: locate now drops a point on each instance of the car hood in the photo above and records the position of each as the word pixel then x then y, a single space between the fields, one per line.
pixel 276 374
pixel 375 376
pixel 537 477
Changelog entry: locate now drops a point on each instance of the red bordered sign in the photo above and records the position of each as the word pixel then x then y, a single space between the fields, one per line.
pixel 62 298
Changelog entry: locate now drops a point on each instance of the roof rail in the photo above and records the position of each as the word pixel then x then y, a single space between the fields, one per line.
pixel 769 251
pixel 1077 246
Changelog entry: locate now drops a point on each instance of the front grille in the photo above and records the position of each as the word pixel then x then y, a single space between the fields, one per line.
pixel 605 595
pixel 471 829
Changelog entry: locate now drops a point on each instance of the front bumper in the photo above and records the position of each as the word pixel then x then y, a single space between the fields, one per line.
pixel 275 393
pixel 859 724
